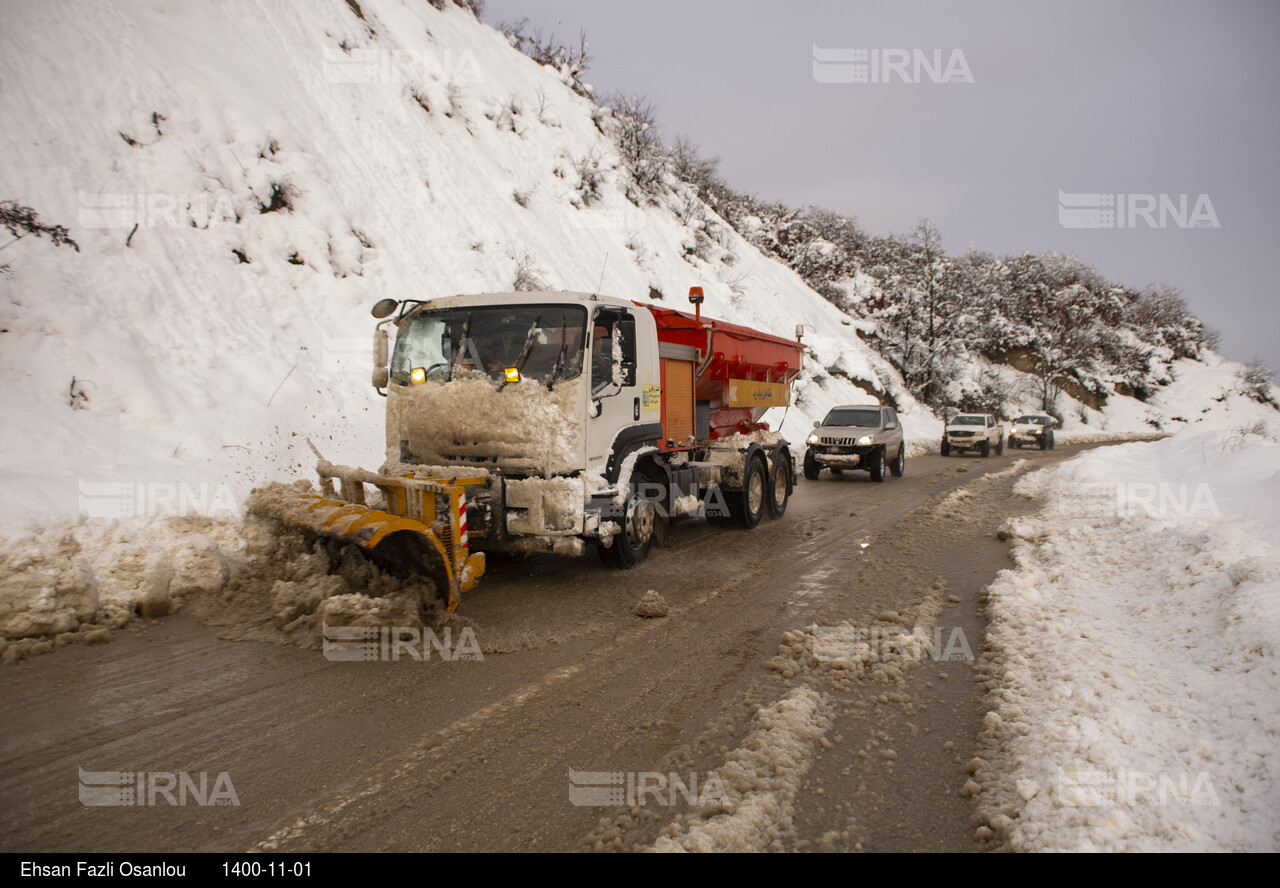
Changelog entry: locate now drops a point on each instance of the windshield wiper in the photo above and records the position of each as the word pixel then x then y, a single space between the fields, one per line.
pixel 457 358
pixel 564 350
pixel 524 352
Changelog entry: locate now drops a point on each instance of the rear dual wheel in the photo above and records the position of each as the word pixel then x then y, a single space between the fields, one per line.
pixel 779 485
pixel 748 504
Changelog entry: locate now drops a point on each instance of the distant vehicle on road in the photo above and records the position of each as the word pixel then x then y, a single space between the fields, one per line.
pixel 1033 430
pixel 973 431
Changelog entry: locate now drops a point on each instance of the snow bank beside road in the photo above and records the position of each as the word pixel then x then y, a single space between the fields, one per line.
pixel 1134 654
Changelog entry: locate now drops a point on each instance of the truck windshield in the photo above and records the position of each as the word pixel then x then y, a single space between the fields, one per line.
pixel 1032 420
pixel 544 342
pixel 867 418
pixel 969 420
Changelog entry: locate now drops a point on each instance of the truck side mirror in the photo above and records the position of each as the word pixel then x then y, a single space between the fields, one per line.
pixel 625 331
pixel 381 352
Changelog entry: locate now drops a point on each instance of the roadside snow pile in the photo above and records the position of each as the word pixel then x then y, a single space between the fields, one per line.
pixel 1134 654
pixel 71 581
pixel 64 580
pixel 761 779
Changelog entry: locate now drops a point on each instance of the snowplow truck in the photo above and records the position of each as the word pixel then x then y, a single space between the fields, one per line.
pixel 553 422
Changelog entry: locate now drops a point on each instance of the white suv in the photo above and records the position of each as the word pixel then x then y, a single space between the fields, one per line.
pixel 973 431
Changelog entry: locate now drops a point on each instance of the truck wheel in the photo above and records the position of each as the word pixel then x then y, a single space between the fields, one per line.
pixel 1000 447
pixel 1051 441
pixel 946 447
pixel 631 546
pixel 811 467
pixel 1044 442
pixel 779 486
pixel 985 449
pixel 748 505
pixel 875 462
pixel 899 465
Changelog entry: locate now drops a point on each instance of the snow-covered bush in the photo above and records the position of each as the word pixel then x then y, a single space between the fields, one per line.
pixel 1255 382
pixel 21 221
pixel 590 178
pixel 570 63
pixel 639 145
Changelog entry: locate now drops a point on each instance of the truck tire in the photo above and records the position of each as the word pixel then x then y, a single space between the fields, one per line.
pixel 946 447
pixel 985 449
pixel 811 467
pixel 779 485
pixel 748 504
pixel 631 546
pixel 899 465
pixel 1044 442
pixel 1051 441
pixel 1000 447
pixel 875 463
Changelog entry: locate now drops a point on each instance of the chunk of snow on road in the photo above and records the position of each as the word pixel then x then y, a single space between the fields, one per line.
pixel 651 604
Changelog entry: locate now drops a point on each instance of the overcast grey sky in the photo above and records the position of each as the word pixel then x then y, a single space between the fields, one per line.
pixel 1087 97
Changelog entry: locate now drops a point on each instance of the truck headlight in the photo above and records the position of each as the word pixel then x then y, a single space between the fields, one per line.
pixel 813 439
pixel 864 440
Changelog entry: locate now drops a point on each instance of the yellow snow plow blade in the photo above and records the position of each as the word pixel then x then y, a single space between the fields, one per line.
pixel 423 531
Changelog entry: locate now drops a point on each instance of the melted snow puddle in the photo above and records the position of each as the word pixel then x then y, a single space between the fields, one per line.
pixel 811 584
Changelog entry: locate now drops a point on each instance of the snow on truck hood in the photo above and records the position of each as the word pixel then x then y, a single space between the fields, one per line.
pixel 525 426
